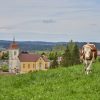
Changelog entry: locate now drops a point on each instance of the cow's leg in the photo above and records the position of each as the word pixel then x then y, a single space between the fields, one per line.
pixel 89 67
pixel 90 64
pixel 85 66
pixel 83 69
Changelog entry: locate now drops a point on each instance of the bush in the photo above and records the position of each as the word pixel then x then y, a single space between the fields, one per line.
pixel 0 68
pixel 5 68
pixel 54 64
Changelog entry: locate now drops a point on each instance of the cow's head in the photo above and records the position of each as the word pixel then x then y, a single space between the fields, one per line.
pixel 87 53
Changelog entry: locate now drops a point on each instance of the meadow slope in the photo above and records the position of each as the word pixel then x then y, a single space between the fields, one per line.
pixel 54 84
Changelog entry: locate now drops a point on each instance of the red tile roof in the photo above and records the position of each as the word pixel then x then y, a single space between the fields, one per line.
pixel 13 45
pixel 25 57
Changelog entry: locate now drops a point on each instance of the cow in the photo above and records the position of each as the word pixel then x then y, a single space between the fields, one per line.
pixel 88 55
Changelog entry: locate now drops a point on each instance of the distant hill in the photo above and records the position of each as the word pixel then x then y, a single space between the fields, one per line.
pixel 39 45
pixel 31 45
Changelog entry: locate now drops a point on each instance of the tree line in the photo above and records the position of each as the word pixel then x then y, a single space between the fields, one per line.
pixel 70 56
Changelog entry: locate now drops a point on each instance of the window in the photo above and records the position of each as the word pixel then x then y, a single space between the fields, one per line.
pixel 28 65
pixel 14 52
pixel 23 65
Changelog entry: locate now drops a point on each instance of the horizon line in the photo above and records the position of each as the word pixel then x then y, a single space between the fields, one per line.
pixel 47 41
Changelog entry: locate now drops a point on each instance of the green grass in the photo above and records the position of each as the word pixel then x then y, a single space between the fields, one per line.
pixel 55 84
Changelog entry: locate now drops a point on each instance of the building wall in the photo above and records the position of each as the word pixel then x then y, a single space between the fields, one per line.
pixel 40 64
pixel 47 65
pixel 33 66
pixel 98 53
pixel 13 60
pixel 27 67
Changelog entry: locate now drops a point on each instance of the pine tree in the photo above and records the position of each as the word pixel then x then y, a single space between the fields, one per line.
pixel 66 58
pixel 76 54
pixel 71 49
pixel 71 55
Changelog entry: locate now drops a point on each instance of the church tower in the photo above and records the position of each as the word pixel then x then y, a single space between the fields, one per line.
pixel 13 57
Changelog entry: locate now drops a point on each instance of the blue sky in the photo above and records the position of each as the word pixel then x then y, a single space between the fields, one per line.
pixel 50 20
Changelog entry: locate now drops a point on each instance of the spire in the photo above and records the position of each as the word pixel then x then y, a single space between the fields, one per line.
pixel 13 45
pixel 13 39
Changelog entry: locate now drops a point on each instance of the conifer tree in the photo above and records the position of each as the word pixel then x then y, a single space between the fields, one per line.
pixel 76 54
pixel 71 55
pixel 66 58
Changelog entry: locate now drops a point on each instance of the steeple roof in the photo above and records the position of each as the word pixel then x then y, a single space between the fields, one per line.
pixel 13 45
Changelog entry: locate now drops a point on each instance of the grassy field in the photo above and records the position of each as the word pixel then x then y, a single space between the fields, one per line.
pixel 54 84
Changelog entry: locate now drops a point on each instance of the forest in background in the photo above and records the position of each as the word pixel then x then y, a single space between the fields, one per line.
pixel 42 46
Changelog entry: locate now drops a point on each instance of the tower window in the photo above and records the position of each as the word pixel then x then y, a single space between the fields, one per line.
pixel 14 52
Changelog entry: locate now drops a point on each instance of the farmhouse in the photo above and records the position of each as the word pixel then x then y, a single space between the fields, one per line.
pixel 23 62
pixel 32 62
pixel 98 53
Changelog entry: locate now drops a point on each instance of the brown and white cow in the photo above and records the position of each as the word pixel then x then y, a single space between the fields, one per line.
pixel 88 54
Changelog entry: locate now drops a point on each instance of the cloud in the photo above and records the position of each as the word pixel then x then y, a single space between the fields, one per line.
pixel 49 21
pixel 4 28
pixel 72 18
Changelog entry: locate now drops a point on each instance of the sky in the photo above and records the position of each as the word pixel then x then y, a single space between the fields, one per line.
pixel 50 20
